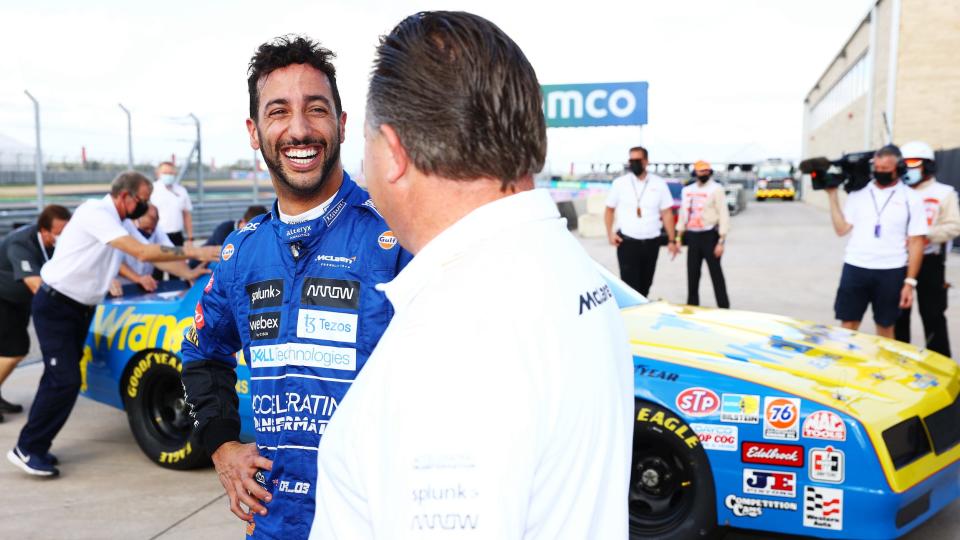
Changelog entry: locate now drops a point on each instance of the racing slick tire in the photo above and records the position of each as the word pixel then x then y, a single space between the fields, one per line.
pixel 157 411
pixel 671 484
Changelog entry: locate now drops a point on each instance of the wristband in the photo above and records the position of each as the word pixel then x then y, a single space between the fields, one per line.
pixel 910 281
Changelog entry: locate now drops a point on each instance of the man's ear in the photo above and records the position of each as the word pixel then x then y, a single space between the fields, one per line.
pixel 343 127
pixel 397 154
pixel 254 136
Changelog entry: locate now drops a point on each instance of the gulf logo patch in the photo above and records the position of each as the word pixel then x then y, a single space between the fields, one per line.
pixel 387 240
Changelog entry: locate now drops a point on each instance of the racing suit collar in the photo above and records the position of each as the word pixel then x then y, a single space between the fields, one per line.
pixel 306 232
pixel 482 224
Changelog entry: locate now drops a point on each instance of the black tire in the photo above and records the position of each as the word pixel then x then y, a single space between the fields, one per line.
pixel 671 484
pixel 158 415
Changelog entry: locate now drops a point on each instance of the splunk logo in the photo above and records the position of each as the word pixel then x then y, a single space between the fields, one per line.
pixel 599 104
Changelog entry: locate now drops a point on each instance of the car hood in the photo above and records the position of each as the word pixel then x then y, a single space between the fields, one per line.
pixel 876 380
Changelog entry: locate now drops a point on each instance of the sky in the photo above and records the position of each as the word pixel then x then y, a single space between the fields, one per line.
pixel 727 78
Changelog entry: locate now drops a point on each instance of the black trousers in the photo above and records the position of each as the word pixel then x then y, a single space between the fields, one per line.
pixel 638 261
pixel 700 246
pixel 932 303
pixel 62 327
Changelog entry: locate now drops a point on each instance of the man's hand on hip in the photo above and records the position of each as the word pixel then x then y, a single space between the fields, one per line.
pixel 236 463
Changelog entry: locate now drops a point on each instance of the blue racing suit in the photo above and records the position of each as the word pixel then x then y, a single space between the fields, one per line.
pixel 299 300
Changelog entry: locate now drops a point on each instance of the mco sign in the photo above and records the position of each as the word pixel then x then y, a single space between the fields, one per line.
pixel 597 104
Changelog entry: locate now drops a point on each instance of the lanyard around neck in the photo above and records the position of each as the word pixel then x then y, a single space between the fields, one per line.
pixel 633 184
pixel 879 212
pixel 43 248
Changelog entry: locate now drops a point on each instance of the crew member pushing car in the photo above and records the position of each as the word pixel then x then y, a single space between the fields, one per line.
pixel 73 282
pixel 22 253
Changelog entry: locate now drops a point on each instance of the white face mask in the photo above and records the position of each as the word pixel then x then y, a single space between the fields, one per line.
pixel 914 176
pixel 168 179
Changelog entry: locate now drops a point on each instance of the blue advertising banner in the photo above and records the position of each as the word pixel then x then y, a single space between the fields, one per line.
pixel 595 104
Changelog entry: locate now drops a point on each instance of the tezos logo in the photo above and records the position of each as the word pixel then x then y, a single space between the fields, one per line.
pixel 698 402
pixel 227 252
pixel 387 240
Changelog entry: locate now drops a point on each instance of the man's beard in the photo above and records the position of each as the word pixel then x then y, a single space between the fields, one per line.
pixel 331 153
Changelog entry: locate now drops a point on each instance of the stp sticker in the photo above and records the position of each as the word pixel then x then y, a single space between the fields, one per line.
pixel 784 455
pixel 823 508
pixel 826 465
pixel 716 437
pixel 740 408
pixel 770 483
pixel 387 240
pixel 781 418
pixel 824 425
pixel 227 252
pixel 698 401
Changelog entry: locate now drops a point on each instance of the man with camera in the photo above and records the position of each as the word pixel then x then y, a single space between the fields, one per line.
pixel 888 227
pixel 943 219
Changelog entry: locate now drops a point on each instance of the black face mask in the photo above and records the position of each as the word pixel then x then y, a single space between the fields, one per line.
pixel 139 210
pixel 884 178
pixel 703 179
pixel 636 166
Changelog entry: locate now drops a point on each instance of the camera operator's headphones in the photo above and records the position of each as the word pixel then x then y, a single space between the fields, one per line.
pixel 892 149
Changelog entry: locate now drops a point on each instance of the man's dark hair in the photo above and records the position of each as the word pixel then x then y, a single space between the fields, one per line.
pixel 129 181
pixel 889 150
pixel 462 97
pixel 253 212
pixel 282 52
pixel 646 155
pixel 50 213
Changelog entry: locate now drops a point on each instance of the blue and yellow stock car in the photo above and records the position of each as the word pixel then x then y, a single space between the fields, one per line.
pixel 742 419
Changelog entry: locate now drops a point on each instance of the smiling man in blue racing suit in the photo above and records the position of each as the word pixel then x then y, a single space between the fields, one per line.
pixel 294 291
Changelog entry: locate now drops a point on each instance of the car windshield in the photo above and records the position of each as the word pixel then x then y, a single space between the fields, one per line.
pixel 622 293
pixel 774 171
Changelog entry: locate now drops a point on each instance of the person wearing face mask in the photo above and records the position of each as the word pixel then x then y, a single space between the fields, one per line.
pixel 22 253
pixel 943 219
pixel 704 223
pixel 887 225
pixel 139 273
pixel 642 205
pixel 173 203
pixel 74 281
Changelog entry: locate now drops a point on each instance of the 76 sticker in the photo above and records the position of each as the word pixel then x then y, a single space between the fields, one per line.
pixel 781 418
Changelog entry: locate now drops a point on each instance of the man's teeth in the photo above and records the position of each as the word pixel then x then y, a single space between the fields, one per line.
pixel 301 155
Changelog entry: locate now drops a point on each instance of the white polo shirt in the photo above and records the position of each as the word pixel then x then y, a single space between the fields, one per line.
pixel 935 197
pixel 651 195
pixel 882 220
pixel 171 202
pixel 158 237
pixel 83 263
pixel 499 399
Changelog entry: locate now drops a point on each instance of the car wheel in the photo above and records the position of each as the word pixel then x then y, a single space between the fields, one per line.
pixel 671 485
pixel 158 414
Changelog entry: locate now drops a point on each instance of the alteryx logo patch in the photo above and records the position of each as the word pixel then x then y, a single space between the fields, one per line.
pixel 302 231
pixel 265 325
pixel 265 293
pixel 336 293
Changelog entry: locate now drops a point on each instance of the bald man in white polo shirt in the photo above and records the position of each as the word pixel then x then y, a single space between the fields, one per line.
pixel 505 373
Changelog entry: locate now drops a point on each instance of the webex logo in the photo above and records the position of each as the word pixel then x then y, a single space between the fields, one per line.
pixel 598 104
